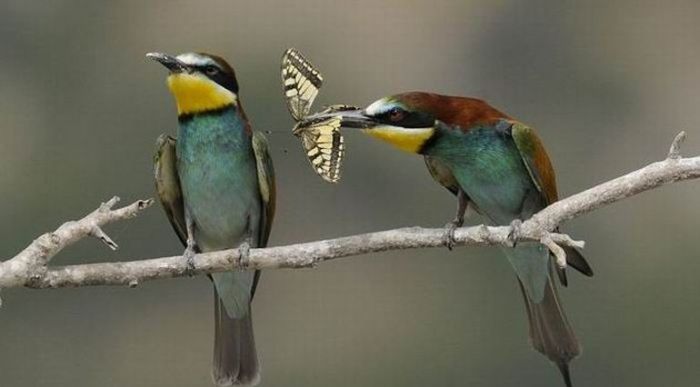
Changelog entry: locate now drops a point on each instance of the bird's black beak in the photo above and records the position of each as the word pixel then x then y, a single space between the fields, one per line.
pixel 170 62
pixel 349 118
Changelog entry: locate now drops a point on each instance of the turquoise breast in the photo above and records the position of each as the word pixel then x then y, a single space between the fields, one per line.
pixel 488 167
pixel 490 170
pixel 218 176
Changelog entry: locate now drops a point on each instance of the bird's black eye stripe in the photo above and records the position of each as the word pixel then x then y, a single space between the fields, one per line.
pixel 210 70
pixel 393 116
pixel 220 75
pixel 396 114
pixel 407 119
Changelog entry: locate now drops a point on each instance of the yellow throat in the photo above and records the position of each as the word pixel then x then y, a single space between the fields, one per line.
pixel 196 93
pixel 407 139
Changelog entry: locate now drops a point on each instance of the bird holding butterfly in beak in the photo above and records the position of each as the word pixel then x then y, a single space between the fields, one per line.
pixel 499 167
pixel 321 139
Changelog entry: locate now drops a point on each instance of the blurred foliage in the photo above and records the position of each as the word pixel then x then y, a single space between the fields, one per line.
pixel 607 84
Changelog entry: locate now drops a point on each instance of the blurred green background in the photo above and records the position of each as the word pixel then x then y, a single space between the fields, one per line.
pixel 607 84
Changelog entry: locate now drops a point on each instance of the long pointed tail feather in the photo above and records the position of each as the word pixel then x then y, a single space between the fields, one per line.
pixel 550 332
pixel 235 357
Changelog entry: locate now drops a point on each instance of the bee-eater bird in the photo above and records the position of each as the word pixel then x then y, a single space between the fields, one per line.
pixel 499 167
pixel 216 184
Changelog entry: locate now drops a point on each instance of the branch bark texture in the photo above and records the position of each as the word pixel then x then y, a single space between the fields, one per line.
pixel 30 268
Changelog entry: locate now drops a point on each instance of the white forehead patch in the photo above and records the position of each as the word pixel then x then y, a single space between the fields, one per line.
pixel 377 107
pixel 194 59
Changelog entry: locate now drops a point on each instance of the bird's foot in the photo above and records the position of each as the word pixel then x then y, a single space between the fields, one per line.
pixel 243 255
pixel 514 234
pixel 449 237
pixel 189 259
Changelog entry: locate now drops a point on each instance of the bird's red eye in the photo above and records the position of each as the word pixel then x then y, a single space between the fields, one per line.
pixel 396 114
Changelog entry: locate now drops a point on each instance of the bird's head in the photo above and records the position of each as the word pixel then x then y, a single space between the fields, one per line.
pixel 412 121
pixel 199 82
pixel 406 121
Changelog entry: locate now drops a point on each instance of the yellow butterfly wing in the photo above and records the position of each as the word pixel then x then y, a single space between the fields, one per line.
pixel 301 83
pixel 324 147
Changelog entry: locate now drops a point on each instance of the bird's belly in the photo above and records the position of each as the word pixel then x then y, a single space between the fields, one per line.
pixel 496 180
pixel 222 196
pixel 500 196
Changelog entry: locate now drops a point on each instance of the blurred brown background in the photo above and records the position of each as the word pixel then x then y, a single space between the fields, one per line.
pixel 607 84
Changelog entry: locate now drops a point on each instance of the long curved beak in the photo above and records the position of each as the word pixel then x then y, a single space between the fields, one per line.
pixel 169 61
pixel 351 117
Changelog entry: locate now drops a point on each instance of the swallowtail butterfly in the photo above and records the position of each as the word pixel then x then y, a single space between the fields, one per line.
pixel 321 140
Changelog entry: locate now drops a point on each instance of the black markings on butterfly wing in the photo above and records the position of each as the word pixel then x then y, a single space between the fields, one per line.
pixel 301 83
pixel 321 139
pixel 324 148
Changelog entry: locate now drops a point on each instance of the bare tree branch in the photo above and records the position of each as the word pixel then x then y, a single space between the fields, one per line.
pixel 675 151
pixel 30 267
pixel 31 263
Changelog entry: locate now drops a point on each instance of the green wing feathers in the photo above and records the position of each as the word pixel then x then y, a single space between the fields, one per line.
pixel 266 182
pixel 168 184
pixel 536 160
pixel 541 172
pixel 442 174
